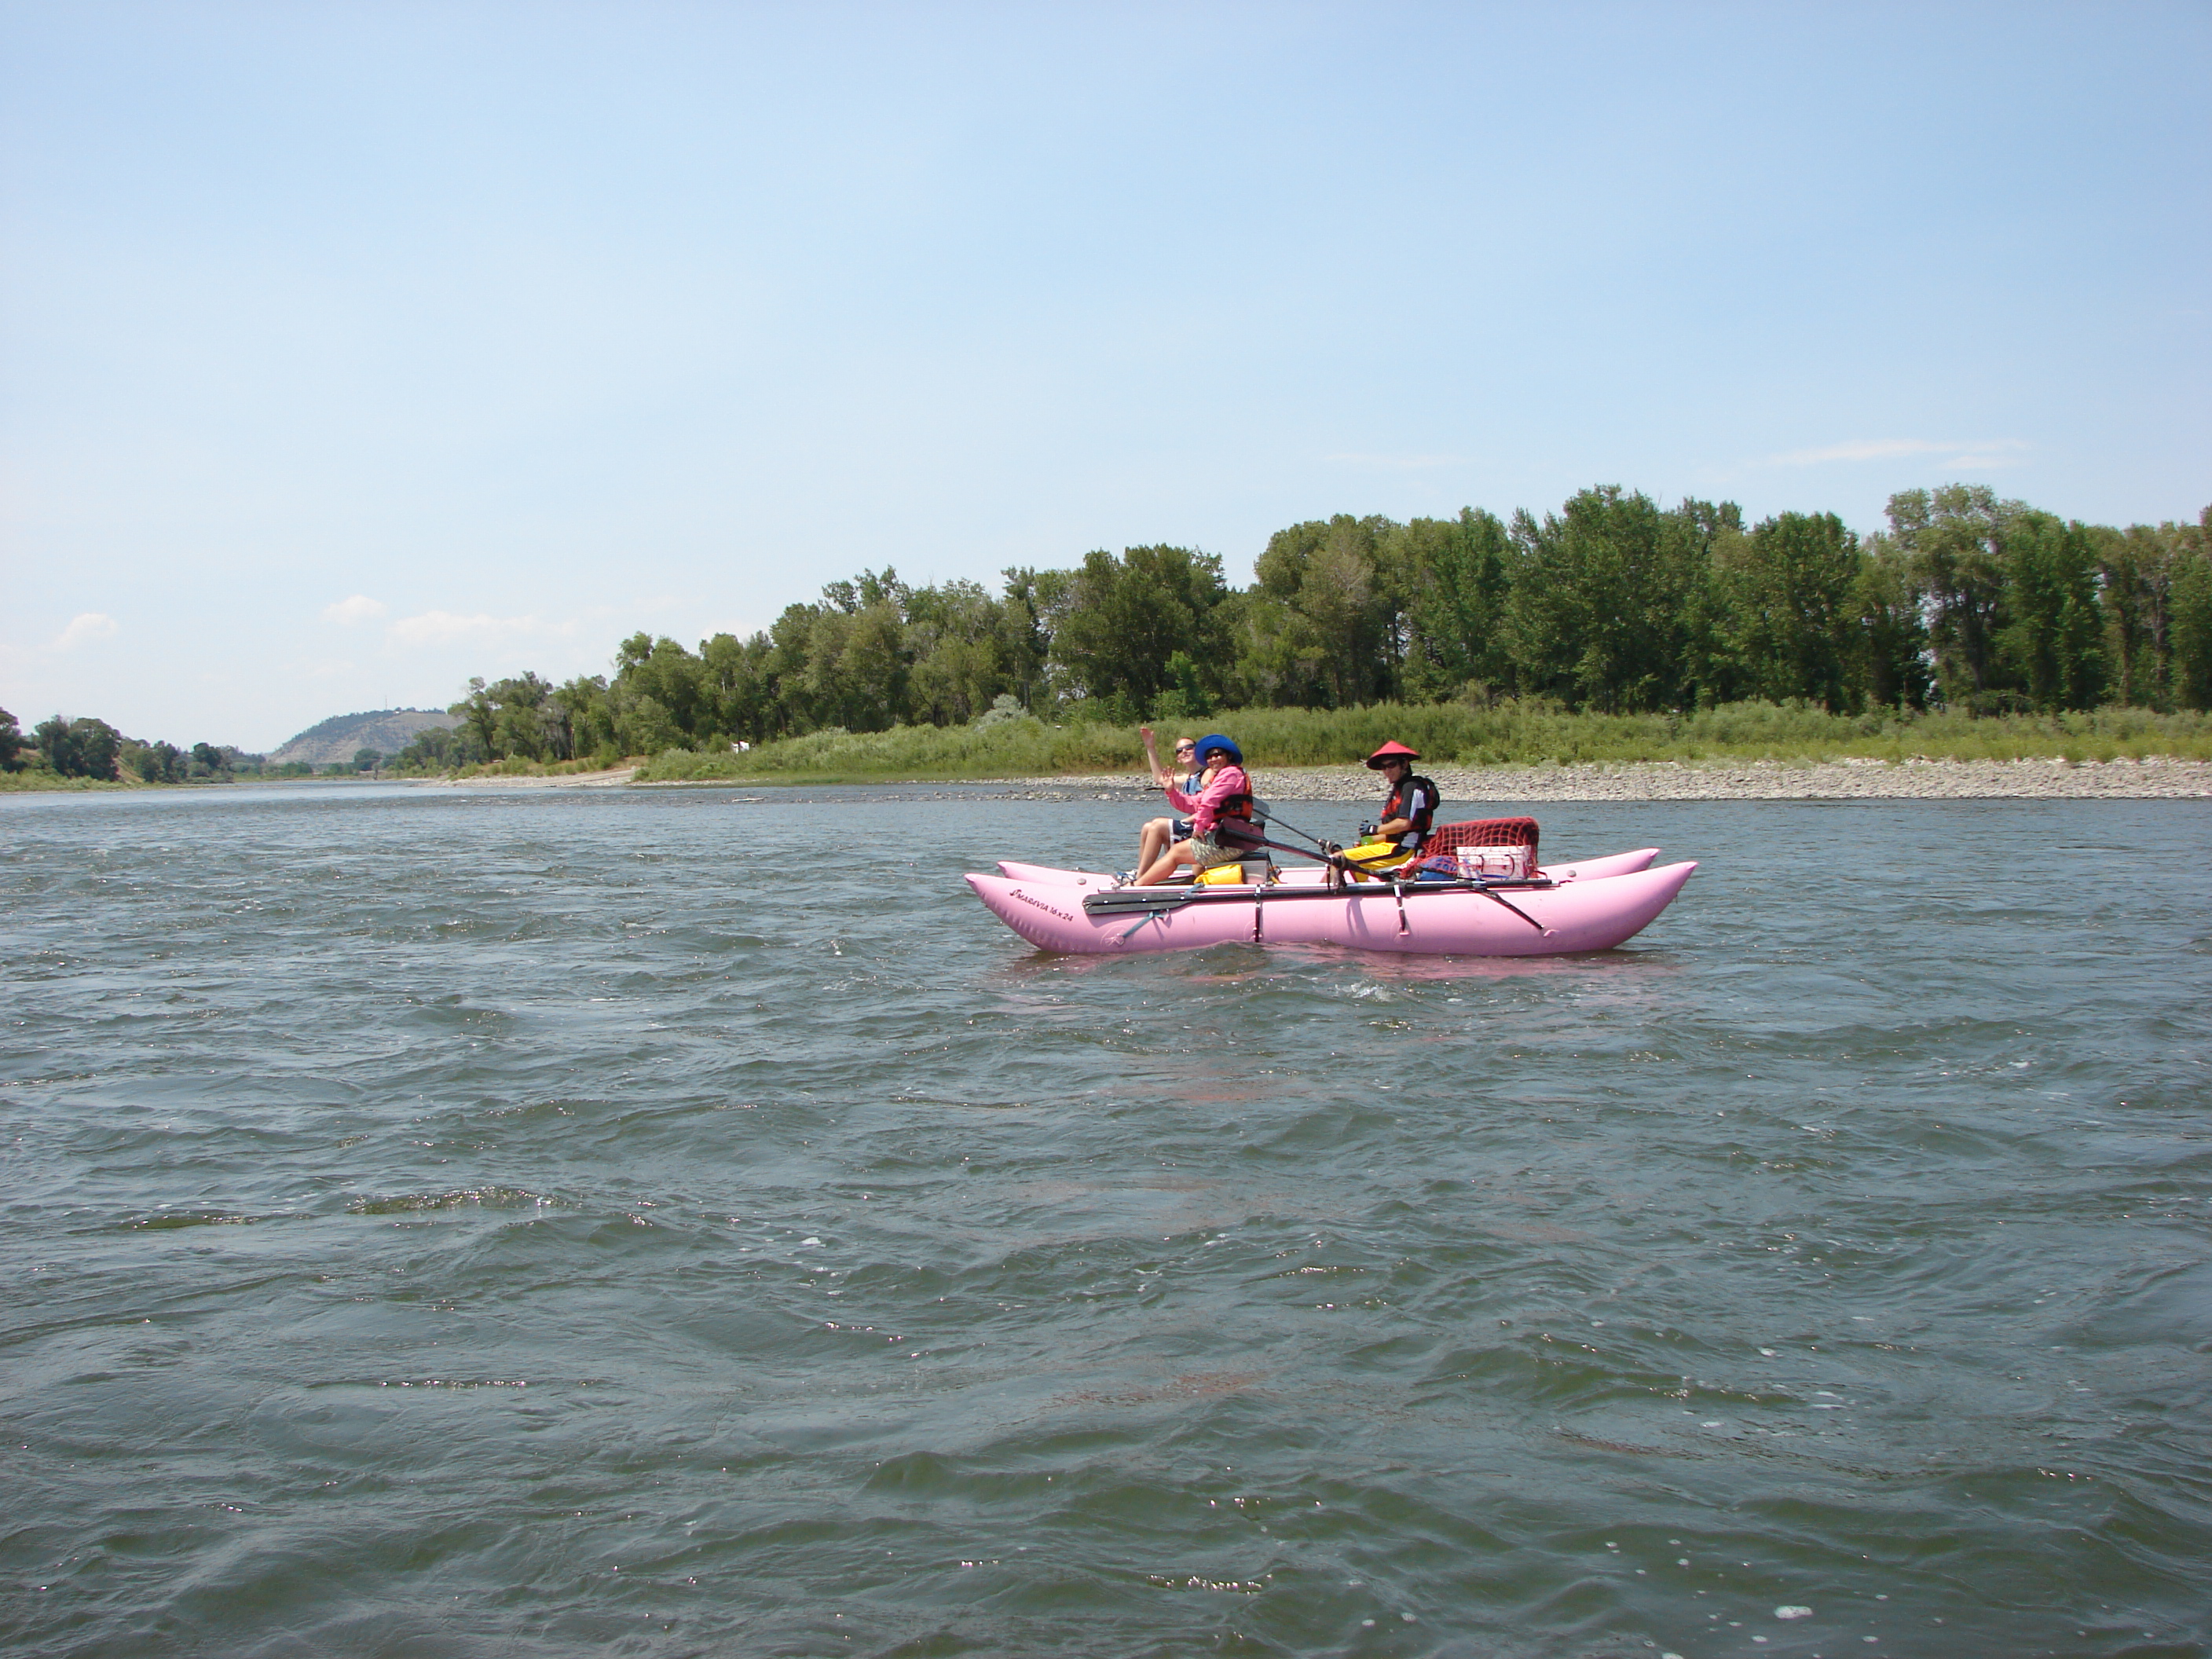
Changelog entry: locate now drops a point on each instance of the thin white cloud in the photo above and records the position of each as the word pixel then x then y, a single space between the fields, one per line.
pixel 1404 463
pixel 83 627
pixel 1988 460
pixel 437 627
pixel 1980 453
pixel 358 609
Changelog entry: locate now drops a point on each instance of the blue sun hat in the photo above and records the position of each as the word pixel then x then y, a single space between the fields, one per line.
pixel 1208 745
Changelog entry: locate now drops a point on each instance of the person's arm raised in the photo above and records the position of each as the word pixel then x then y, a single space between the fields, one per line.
pixel 1160 774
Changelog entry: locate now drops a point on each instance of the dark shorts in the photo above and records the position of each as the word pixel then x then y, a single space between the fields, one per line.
pixel 1179 829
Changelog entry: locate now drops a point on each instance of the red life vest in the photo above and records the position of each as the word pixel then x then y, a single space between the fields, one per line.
pixel 1233 825
pixel 1415 800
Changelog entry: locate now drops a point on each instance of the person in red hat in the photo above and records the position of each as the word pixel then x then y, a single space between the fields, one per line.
pixel 1411 806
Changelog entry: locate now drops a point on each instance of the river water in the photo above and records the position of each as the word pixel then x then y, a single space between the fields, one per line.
pixel 670 1222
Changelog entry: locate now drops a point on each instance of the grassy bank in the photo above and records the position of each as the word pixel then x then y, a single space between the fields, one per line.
pixel 1454 734
pixel 27 781
pixel 516 767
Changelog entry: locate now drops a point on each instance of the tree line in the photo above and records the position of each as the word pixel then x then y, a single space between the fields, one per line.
pixel 1613 604
pixel 89 748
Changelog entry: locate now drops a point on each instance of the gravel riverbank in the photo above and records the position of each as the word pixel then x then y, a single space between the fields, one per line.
pixel 1849 780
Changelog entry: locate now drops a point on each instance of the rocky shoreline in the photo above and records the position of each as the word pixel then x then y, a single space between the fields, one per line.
pixel 2154 779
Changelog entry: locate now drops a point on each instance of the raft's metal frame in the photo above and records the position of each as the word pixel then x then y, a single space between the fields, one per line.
pixel 1146 903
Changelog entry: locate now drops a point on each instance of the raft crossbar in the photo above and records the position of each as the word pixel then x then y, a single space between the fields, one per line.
pixel 1129 900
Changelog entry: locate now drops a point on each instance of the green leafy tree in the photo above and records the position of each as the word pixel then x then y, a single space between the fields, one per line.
pixel 438 749
pixel 2137 569
pixel 12 742
pixel 82 748
pixel 1337 613
pixel 1455 574
pixel 966 653
pixel 1188 695
pixel 2050 644
pixel 2192 619
pixel 784 670
pixel 584 718
pixel 663 672
pixel 1127 616
pixel 154 763
pixel 531 724
pixel 1270 667
pixel 1030 610
pixel 1602 592
pixel 97 745
pixel 479 713
pixel 2014 618
pixel 56 746
pixel 735 683
pixel 1954 538
pixel 1792 591
pixel 646 725
pixel 1699 541
pixel 1610 604
pixel 856 668
pixel 1892 653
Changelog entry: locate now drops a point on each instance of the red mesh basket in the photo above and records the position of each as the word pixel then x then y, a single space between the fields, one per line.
pixel 1483 832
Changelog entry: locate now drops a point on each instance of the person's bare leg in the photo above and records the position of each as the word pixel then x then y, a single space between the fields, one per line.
pixel 1181 853
pixel 1153 841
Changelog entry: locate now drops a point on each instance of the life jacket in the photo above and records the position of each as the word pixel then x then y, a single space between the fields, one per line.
pixel 1414 800
pixel 1232 819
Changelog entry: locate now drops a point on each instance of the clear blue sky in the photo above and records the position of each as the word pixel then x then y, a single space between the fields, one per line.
pixel 350 350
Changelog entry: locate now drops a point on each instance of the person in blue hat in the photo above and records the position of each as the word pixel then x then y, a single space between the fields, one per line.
pixel 1221 826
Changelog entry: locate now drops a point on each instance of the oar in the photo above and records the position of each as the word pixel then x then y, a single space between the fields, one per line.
pixel 1483 888
pixel 1500 898
pixel 1329 852
pixel 1271 820
pixel 1153 913
pixel 1139 898
pixel 1296 852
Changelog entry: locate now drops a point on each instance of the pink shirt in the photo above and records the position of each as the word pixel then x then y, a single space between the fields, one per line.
pixel 1204 807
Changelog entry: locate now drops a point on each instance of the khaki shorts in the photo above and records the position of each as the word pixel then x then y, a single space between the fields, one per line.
pixel 1210 852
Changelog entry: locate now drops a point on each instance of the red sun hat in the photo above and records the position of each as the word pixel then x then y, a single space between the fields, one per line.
pixel 1391 751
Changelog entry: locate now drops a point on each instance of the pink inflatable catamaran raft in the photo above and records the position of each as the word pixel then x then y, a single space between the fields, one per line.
pixel 1592 904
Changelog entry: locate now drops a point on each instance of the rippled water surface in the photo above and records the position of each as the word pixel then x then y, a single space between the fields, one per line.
pixel 637 1222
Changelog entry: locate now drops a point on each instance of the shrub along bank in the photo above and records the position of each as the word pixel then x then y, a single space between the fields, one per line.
pixel 1509 733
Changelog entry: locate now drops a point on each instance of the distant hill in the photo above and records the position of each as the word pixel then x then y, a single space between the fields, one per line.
pixel 387 731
